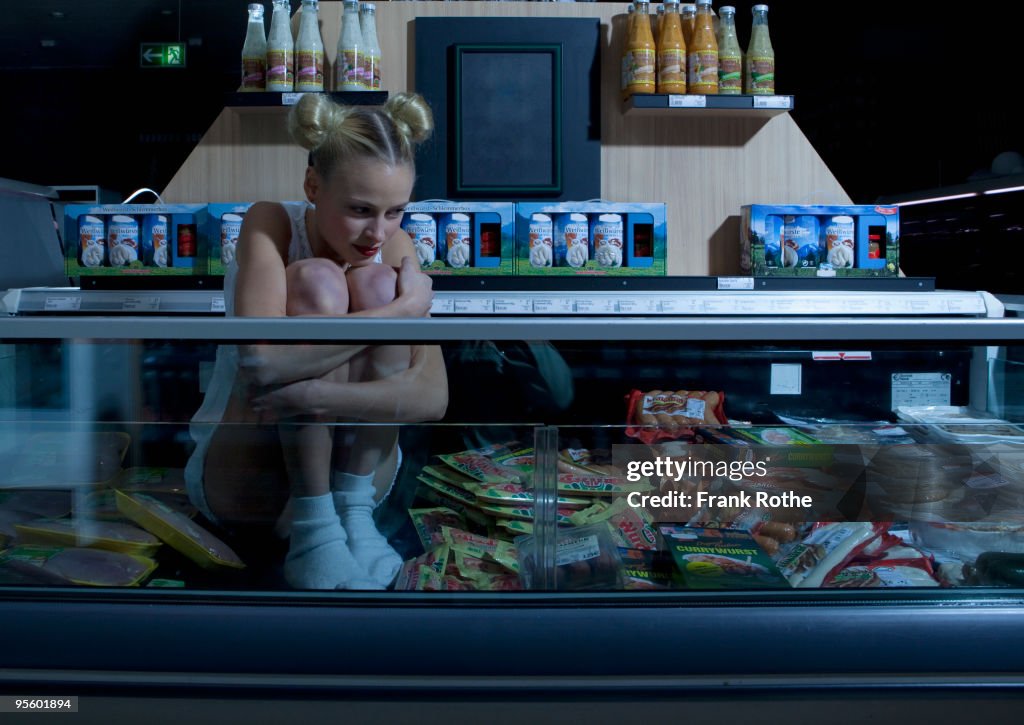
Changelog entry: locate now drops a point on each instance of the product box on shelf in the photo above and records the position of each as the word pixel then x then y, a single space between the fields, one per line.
pixel 220 233
pixel 819 241
pixel 462 237
pixel 590 238
pixel 133 239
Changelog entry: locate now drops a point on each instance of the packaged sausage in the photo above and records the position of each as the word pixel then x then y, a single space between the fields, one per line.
pixel 631 527
pixel 657 415
pixel 481 547
pixel 574 485
pixel 90 567
pixel 409 575
pixel 108 535
pixel 720 558
pixel 827 549
pixel 452 477
pixel 644 569
pixel 483 464
pixel 517 494
pixel 178 531
pixel 428 523
pixel 585 558
pixel 429 494
pixel 881 574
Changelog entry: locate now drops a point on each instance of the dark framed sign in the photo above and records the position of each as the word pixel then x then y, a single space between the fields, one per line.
pixel 489 130
pixel 516 105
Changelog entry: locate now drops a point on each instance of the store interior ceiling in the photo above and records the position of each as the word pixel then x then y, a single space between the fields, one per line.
pixel 893 100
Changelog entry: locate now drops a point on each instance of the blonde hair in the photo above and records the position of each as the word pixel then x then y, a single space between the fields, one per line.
pixel 333 133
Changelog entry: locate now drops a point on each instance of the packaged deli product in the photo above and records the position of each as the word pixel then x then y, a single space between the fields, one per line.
pixel 827 549
pixel 515 494
pixel 881 574
pixel 428 523
pixel 631 527
pixel 90 567
pixel 656 415
pixel 178 531
pixel 108 535
pixel 585 558
pixel 644 569
pixel 482 547
pixel 435 560
pixel 720 558
pixel 42 503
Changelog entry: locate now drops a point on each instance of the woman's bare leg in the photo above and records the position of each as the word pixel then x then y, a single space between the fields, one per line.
pixel 318 555
pixel 359 479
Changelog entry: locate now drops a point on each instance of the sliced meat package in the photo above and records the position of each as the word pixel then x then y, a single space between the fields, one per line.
pixel 657 415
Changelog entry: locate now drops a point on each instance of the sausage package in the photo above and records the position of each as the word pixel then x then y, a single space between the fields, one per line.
pixel 585 558
pixel 657 415
pixel 825 551
pixel 178 531
pixel 720 558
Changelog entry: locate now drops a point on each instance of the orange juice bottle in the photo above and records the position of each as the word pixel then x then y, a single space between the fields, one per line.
pixel 671 51
pixel 688 17
pixel 702 54
pixel 638 59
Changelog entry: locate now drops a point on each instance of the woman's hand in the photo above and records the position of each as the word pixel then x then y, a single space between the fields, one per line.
pixel 302 398
pixel 414 289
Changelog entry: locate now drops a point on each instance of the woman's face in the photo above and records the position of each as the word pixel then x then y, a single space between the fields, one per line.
pixel 358 208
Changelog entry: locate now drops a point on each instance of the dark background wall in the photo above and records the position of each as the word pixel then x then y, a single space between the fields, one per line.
pixel 894 97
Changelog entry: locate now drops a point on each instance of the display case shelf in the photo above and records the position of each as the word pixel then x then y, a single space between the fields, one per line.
pixel 742 106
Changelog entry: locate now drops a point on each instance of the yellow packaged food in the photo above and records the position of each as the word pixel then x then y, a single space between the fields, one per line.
pixel 178 531
pixel 107 535
pixel 481 547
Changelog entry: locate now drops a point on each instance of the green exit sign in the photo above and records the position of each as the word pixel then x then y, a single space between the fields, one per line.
pixel 161 55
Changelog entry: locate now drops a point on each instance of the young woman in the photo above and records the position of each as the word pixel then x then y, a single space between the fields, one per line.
pixel 342 253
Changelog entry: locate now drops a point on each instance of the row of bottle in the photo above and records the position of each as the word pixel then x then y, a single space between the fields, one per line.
pixel 696 51
pixel 282 64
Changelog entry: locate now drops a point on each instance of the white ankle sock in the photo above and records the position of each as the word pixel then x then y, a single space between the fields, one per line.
pixel 317 555
pixel 353 499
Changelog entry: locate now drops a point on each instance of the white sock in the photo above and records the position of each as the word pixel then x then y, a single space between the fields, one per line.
pixel 354 502
pixel 317 555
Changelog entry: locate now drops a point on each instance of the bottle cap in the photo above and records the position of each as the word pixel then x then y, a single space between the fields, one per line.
pixel 704 2
pixel 759 9
pixel 256 10
pixel 368 7
pixel 727 10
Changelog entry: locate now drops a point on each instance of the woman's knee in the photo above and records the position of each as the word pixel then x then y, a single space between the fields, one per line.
pixel 371 286
pixel 316 287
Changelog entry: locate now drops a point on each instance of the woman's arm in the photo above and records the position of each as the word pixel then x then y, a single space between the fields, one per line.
pixel 418 393
pixel 261 291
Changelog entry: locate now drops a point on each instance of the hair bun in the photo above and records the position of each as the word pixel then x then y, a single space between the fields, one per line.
pixel 411 115
pixel 313 119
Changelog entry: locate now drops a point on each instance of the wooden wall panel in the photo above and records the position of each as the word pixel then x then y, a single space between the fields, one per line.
pixel 704 169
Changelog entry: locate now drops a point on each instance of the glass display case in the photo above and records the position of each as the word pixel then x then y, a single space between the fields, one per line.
pixel 762 489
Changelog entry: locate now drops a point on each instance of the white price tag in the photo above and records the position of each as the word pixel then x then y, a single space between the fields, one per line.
pixel 634 306
pixel 62 304
pixel 725 306
pixel 513 306
pixel 682 306
pixel 576 549
pixel 786 379
pixel 773 102
pixel 290 99
pixel 553 306
pixel 965 306
pixel 217 304
pixel 742 283
pixel 140 304
pixel 678 101
pixel 442 306
pixel 596 306
pixel 475 306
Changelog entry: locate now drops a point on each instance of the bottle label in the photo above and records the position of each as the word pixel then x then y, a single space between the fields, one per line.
pixel 309 70
pixel 730 74
pixel 254 73
pixel 350 70
pixel 762 75
pixel 280 70
pixel 671 66
pixel 370 71
pixel 638 65
pixel 702 67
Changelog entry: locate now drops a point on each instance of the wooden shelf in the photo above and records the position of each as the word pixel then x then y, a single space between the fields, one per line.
pixel 265 101
pixel 743 106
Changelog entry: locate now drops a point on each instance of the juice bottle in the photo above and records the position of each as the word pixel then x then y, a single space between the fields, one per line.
pixel 638 60
pixel 760 65
pixel 730 57
pixel 348 67
pixel 309 51
pixel 371 58
pixel 688 17
pixel 254 52
pixel 281 50
pixel 671 51
pixel 702 54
